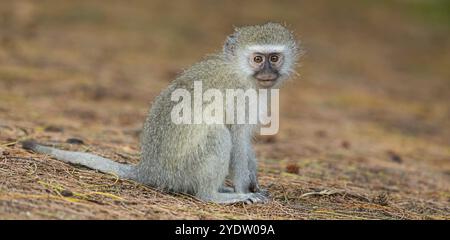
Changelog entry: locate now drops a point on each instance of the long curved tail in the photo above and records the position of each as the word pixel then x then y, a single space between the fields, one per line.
pixel 86 159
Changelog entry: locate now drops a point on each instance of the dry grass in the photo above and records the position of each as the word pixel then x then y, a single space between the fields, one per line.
pixel 364 130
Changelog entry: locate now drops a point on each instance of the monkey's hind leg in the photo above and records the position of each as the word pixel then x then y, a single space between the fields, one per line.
pixel 212 176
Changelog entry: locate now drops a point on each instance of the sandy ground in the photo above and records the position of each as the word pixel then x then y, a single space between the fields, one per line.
pixel 364 132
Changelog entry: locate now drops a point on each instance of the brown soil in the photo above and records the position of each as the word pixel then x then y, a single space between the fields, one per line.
pixel 365 128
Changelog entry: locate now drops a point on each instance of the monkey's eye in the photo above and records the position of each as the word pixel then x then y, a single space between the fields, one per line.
pixel 274 58
pixel 258 59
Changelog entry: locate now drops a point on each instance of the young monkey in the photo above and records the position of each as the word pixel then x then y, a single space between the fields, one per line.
pixel 196 158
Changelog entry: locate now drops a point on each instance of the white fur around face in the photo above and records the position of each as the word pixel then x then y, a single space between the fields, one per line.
pixel 267 48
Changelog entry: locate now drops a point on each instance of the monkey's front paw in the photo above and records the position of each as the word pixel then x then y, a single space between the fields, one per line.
pixel 257 198
pixel 253 187
pixel 256 189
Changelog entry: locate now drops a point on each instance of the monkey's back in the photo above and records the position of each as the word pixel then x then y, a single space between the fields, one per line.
pixel 173 153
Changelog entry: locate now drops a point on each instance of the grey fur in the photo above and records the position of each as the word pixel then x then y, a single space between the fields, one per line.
pixel 86 159
pixel 196 158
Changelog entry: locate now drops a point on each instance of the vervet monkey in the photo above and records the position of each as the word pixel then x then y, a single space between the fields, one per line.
pixel 196 158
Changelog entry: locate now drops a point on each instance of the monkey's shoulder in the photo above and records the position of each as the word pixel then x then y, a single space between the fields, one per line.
pixel 209 68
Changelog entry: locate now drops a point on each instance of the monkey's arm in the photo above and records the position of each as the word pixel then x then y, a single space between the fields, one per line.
pixel 239 164
pixel 253 169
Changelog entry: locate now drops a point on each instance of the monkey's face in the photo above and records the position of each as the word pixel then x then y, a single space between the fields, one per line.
pixel 266 67
pixel 264 54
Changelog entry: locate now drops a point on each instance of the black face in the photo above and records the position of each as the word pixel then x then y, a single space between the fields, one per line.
pixel 266 67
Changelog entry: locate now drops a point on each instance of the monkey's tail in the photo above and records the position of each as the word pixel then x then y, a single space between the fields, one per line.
pixel 86 159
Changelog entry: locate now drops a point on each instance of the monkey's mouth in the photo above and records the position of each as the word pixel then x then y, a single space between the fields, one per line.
pixel 267 80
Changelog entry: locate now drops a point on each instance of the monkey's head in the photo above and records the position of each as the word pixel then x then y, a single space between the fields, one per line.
pixel 265 53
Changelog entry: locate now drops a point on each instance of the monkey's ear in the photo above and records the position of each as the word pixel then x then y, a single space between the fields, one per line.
pixel 229 47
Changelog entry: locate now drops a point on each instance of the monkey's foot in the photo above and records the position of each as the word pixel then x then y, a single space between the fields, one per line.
pixel 230 198
pixel 258 197
pixel 263 192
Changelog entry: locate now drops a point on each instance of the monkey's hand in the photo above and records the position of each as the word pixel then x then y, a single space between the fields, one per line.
pixel 254 186
pixel 253 172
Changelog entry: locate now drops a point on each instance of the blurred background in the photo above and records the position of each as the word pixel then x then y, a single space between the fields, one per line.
pixel 373 90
